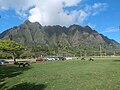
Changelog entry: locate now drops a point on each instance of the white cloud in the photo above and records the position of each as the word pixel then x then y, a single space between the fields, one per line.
pixel 71 2
pixel 82 16
pixel 111 30
pixel 92 25
pixel 52 12
pixel 17 4
pixel 98 7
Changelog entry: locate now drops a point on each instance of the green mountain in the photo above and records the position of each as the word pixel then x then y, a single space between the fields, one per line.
pixel 31 34
pixel 57 40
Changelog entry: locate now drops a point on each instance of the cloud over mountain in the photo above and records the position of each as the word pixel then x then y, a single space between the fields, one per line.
pixel 54 12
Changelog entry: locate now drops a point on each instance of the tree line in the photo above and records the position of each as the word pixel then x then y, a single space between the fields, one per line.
pixel 12 49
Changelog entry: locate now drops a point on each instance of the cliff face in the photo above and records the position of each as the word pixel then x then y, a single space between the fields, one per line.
pixel 35 34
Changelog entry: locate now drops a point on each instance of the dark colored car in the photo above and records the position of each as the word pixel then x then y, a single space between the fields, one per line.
pixel 62 58
pixel 3 62
pixel 41 60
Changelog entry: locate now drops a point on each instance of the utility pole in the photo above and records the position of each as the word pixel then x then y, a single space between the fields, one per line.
pixel 85 53
pixel 114 53
pixel 100 50
pixel 105 52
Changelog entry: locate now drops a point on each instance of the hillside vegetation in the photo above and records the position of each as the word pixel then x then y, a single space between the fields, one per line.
pixel 58 40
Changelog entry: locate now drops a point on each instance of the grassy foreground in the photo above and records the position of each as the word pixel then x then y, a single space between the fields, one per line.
pixel 103 74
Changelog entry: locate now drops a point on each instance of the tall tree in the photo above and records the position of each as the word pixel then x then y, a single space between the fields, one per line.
pixel 11 47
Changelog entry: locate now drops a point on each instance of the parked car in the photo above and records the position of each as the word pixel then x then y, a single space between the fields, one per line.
pixel 3 62
pixel 50 58
pixel 41 60
pixel 68 58
pixel 62 58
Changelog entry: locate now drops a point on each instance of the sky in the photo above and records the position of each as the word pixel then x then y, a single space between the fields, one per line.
pixel 101 15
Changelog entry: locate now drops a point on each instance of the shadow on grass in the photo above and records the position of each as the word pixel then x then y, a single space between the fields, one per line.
pixel 2 83
pixel 116 60
pixel 8 71
pixel 28 86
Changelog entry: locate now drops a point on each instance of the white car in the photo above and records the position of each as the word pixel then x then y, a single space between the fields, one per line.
pixel 3 62
pixel 50 59
pixel 68 58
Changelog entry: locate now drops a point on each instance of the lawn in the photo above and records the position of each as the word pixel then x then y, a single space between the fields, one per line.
pixel 101 74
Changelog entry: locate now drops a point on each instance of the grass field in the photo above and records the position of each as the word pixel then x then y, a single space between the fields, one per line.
pixel 101 74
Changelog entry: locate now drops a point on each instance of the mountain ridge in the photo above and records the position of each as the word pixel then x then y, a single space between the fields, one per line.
pixel 30 34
